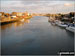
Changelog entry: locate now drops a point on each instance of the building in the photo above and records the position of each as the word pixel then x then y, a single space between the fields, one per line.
pixel 14 14
pixel 1 13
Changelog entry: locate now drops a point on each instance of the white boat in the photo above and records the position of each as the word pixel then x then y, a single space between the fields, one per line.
pixel 61 24
pixel 72 29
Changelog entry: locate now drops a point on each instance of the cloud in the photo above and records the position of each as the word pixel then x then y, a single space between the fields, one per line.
pixel 68 4
pixel 38 6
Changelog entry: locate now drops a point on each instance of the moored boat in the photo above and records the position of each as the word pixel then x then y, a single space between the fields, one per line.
pixel 71 29
pixel 63 25
pixel 60 24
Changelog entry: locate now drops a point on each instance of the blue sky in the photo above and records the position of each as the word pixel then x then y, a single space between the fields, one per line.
pixel 40 6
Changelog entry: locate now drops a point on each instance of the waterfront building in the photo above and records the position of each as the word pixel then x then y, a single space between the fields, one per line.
pixel 19 14
pixel 14 14
pixel 1 13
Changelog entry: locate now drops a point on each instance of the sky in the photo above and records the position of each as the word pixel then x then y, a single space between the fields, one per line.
pixel 37 6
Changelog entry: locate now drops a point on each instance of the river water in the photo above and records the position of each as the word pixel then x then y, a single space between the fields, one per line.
pixel 35 37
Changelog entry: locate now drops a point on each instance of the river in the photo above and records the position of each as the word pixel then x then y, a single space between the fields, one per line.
pixel 37 37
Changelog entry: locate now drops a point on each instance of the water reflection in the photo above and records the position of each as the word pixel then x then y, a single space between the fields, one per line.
pixel 6 26
pixel 15 24
pixel 21 23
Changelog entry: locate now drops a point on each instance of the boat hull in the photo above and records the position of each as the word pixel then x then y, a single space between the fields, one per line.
pixel 71 29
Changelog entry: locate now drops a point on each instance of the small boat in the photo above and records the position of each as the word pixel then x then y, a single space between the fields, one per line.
pixel 63 25
pixel 72 29
pixel 60 24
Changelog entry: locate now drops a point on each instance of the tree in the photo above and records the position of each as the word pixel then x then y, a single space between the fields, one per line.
pixel 71 14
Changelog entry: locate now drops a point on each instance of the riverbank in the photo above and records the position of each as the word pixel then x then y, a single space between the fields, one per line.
pixel 14 16
pixel 10 20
